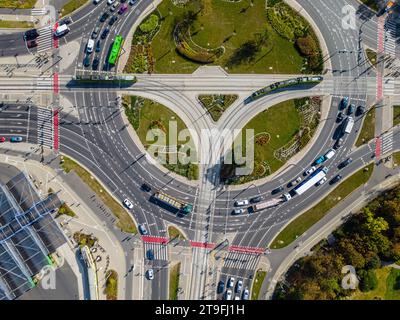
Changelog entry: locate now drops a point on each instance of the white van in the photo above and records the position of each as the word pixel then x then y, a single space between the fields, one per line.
pixel 90 46
pixel 329 154
pixel 61 30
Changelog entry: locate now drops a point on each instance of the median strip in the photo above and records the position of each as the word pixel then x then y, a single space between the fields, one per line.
pixel 302 223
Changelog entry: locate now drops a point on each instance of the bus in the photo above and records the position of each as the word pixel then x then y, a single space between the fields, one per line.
pixel 312 180
pixel 115 50
pixel 179 205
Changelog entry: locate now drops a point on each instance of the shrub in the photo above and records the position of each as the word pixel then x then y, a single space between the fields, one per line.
pixel 368 280
pixel 307 46
pixel 150 24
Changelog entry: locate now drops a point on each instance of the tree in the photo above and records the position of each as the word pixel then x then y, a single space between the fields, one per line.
pixel 307 46
pixel 368 280
pixel 373 262
pixel 350 254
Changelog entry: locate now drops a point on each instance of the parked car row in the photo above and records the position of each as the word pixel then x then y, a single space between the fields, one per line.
pixel 233 289
pixel 12 139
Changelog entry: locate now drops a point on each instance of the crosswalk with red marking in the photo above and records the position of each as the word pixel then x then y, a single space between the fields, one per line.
pixel 205 245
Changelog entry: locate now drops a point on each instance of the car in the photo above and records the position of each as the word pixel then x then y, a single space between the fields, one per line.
pixel 241 203
pixel 322 181
pixel 360 110
pixel 114 6
pixel 96 1
pixel 2 139
pixel 145 187
pixel 89 46
pixel 296 181
pixel 239 286
pixel 256 199
pixel 104 16
pixel 150 254
pixel 31 44
pixel 86 61
pixel 123 8
pixel 98 46
pixel 95 63
pixel 132 2
pixel 95 32
pixel 345 163
pixel 16 139
pixel 110 2
pixel 246 294
pixel 61 30
pixel 122 1
pixel 320 160
pixel 228 294
pixel 336 179
pixel 343 103
pixel 150 274
pixel 220 287
pixel 31 34
pixel 338 144
pixel 128 204
pixel 67 20
pixel 231 282
pixel 311 170
pixel 277 190
pixel 237 211
pixel 340 117
pixel 142 229
pixel 105 33
pixel 351 109
pixel 236 297
pixel 112 20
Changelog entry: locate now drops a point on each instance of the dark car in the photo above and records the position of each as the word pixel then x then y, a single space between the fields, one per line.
pixel 67 21
pixel 345 163
pixel 150 254
pixel 104 16
pixel 112 20
pixel 221 287
pixel 31 44
pixel 145 187
pixel 95 32
pixel 31 34
pixel 336 179
pixel 338 144
pixel 340 117
pixel 360 110
pixel 351 109
pixel 277 190
pixel 256 199
pixel 98 46
pixel 86 61
pixel 95 63
pixel 105 33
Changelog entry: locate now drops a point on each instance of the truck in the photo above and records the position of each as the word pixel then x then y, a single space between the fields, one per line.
pixel 348 125
pixel 267 204
pixel 312 180
pixel 179 205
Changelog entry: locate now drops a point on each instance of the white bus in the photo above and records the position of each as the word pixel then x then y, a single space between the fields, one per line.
pixel 313 179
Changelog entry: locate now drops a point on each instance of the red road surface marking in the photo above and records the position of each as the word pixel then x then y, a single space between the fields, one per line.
pixel 379 86
pixel 205 245
pixel 55 82
pixel 247 249
pixel 55 127
pixel 153 239
pixel 378 147
pixel 55 39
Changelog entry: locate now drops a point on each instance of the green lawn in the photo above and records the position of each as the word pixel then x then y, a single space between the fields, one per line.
pixel 174 281
pixel 235 26
pixel 65 210
pixel 125 221
pixel 175 233
pixel 71 6
pixel 17 4
pixel 16 24
pixel 257 283
pixel 371 3
pixel 111 289
pixel 145 114
pixel 368 128
pixel 302 223
pixel 396 158
pixel 396 115
pixel 216 104
pixel 372 56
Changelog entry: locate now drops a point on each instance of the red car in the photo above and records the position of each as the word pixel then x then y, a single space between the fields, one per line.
pixel 31 44
pixel 2 139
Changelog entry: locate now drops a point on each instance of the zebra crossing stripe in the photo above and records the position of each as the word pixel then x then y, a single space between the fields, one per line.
pixel 244 261
pixel 160 251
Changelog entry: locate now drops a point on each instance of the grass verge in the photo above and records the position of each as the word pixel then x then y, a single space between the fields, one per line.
pixel 84 239
pixel 71 6
pixel 65 210
pixel 17 4
pixel 302 223
pixel 368 128
pixel 372 56
pixel 396 158
pixel 257 283
pixel 396 115
pixel 125 222
pixel 174 281
pixel 216 104
pixel 175 233
pixel 16 24
pixel 111 289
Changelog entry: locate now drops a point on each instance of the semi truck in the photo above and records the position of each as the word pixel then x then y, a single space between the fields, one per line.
pixel 267 204
pixel 179 205
pixel 312 180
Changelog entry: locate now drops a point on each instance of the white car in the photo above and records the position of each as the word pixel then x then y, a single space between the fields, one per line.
pixel 228 295
pixel 240 203
pixel 311 170
pixel 322 181
pixel 150 274
pixel 246 294
pixel 110 2
pixel 128 204
pixel 238 211
pixel 237 298
pixel 231 282
pixel 132 2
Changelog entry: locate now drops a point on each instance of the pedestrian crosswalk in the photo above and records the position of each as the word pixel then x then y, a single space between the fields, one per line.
pixel 45 39
pixel 160 251
pixel 239 260
pixel 38 11
pixel 387 143
pixel 391 32
pixel 45 127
